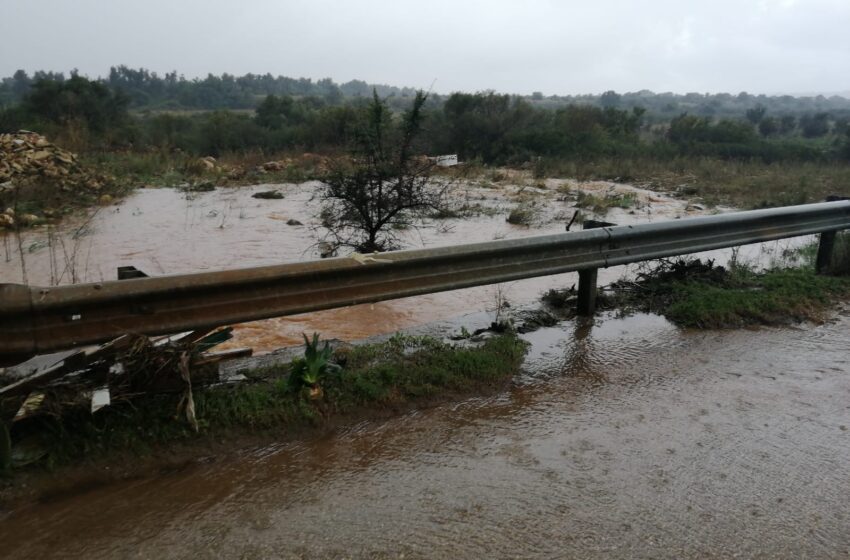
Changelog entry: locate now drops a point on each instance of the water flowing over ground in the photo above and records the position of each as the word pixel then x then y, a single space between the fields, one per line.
pixel 627 438
pixel 621 438
pixel 168 231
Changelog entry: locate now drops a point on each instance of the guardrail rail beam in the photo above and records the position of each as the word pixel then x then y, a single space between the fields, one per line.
pixel 40 319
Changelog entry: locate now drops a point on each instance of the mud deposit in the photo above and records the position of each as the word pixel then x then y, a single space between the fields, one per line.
pixel 626 439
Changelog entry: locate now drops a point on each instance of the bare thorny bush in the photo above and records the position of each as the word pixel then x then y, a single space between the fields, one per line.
pixel 384 187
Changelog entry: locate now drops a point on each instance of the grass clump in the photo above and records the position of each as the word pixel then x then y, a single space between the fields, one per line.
pixel 407 368
pixel 699 294
pixel 601 204
pixel 522 215
pixel 465 210
pixel 309 392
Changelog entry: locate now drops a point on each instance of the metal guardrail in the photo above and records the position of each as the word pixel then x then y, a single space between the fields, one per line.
pixel 36 319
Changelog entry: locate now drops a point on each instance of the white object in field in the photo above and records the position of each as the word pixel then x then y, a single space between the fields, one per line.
pixel 99 399
pixel 449 160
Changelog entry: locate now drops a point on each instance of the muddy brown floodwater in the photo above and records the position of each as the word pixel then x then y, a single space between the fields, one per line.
pixel 629 438
pixel 166 231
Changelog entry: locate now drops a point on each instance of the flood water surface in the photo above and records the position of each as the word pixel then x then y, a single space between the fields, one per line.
pixel 167 231
pixel 627 438
pixel 623 438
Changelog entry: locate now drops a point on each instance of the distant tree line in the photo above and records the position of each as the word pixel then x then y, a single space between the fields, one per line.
pixel 148 90
pixel 493 128
pixel 661 107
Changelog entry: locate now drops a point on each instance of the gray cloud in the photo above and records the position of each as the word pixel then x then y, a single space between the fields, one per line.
pixel 769 46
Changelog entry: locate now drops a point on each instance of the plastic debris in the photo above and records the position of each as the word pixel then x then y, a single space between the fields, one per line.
pixel 99 399
pixel 30 406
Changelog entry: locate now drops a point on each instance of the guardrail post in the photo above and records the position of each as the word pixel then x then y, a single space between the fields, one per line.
pixel 823 262
pixel 586 304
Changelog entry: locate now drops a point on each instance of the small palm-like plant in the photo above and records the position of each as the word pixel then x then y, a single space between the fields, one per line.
pixel 308 371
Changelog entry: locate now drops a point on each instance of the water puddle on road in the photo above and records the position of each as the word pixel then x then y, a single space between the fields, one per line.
pixel 622 438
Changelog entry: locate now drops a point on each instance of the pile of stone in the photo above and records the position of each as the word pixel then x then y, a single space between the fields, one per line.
pixel 34 169
pixel 26 156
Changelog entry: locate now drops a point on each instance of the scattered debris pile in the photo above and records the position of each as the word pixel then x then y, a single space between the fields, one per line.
pixel 123 370
pixel 666 271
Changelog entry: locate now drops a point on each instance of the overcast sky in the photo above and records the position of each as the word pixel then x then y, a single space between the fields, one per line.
pixel 557 47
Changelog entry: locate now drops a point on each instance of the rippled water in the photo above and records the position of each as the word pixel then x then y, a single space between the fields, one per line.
pixel 165 231
pixel 624 438
pixel 621 439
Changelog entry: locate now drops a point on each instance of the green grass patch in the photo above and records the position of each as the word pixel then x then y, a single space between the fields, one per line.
pixel 699 294
pixel 773 297
pixel 375 377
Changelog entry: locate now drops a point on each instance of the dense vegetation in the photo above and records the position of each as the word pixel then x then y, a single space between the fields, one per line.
pixel 282 114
